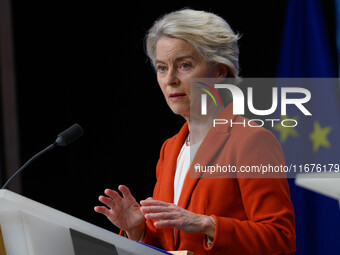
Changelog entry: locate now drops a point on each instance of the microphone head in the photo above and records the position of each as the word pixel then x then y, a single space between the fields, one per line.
pixel 69 135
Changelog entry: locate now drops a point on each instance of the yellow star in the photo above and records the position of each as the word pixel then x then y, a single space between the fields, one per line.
pixel 285 132
pixel 319 136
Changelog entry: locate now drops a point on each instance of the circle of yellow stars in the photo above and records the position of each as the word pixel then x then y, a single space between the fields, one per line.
pixel 318 135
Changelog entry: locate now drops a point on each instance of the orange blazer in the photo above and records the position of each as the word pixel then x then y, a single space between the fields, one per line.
pixel 253 215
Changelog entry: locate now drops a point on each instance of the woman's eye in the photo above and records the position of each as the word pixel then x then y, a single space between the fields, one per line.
pixel 185 66
pixel 161 68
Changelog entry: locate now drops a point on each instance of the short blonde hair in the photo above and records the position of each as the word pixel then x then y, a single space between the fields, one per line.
pixel 208 33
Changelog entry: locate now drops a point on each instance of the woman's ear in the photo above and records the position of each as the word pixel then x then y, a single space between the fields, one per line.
pixel 222 71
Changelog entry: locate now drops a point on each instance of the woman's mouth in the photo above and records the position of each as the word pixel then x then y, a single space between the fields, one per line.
pixel 176 96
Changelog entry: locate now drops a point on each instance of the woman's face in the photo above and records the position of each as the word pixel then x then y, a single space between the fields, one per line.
pixel 176 63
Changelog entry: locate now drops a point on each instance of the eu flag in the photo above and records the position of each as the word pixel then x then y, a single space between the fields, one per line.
pixel 337 19
pixel 305 52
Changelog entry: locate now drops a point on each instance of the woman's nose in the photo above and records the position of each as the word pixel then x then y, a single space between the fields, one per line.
pixel 172 78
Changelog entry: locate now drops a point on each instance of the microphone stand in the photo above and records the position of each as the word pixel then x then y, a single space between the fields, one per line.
pixel 63 139
pixel 50 147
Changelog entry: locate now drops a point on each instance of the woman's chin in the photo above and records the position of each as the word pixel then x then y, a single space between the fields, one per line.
pixel 184 114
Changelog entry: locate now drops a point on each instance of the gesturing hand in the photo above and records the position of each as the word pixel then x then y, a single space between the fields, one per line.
pixel 171 215
pixel 124 212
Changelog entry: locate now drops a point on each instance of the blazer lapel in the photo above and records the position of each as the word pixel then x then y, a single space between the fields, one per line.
pixel 205 154
pixel 168 174
pixel 214 140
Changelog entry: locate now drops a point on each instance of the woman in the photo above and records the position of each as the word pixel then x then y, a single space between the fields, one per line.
pixel 205 215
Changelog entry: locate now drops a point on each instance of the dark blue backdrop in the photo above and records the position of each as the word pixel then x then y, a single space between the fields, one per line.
pixel 305 52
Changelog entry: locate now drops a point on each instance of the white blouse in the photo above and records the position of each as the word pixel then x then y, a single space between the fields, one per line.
pixel 182 167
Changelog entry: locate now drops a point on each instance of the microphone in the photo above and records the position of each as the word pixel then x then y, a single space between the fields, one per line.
pixel 69 135
pixel 63 139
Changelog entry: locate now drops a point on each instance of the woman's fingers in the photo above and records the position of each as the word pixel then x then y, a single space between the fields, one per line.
pixel 113 198
pixel 107 201
pixel 126 192
pixel 122 210
pixel 155 209
pixel 114 195
pixel 152 202
pixel 160 216
pixel 159 210
pixel 102 210
pixel 167 223
pixel 170 215
pixel 151 207
pixel 164 214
